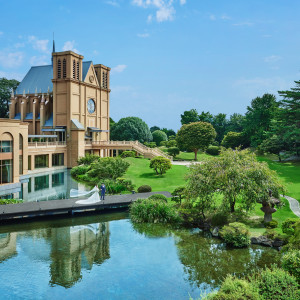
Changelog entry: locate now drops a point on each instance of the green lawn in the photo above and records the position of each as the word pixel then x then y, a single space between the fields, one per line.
pixel 190 156
pixel 289 172
pixel 140 173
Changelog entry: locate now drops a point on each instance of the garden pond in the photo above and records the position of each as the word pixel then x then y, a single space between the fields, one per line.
pixel 105 256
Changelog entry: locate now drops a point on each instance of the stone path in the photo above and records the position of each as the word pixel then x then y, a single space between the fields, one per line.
pixel 294 205
pixel 185 163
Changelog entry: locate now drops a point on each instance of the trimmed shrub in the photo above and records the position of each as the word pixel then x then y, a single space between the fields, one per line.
pixel 144 189
pixel 173 151
pixel 158 197
pixel 235 234
pixel 79 170
pixel 160 164
pixel 163 143
pixel 88 159
pixel 219 219
pixel 275 283
pixel 178 194
pixel 171 143
pixel 271 224
pixel 233 289
pixel 127 154
pixel 291 263
pixel 287 226
pixel 213 150
pixel 10 201
pixel 145 211
pixel 233 139
pixel 150 145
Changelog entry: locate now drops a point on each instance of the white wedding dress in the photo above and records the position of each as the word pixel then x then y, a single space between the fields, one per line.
pixel 94 198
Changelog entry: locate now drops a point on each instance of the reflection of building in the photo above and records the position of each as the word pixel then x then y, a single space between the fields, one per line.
pixel 81 247
pixel 68 249
pixel 8 245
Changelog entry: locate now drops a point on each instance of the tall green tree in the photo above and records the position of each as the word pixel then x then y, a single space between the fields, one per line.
pixel 189 116
pixel 206 117
pixel 289 116
pixel 258 118
pixel 6 85
pixel 168 132
pixel 159 136
pixel 220 122
pixel 236 123
pixel 195 136
pixel 153 128
pixel 131 129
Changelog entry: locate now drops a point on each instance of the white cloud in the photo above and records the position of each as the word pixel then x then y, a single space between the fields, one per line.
pixel 165 10
pixel 212 17
pixel 272 58
pixel 225 17
pixel 243 24
pixel 69 46
pixel 19 45
pixel 11 59
pixel 39 60
pixel 118 69
pixel 113 3
pixel 40 45
pixel 182 2
pixel 143 35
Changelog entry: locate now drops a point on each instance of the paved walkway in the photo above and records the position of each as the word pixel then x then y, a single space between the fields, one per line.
pixel 294 205
pixel 185 163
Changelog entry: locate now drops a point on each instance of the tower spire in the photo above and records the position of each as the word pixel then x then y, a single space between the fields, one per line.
pixel 53 49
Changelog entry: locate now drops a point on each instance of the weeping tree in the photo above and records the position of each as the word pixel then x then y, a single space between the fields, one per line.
pixel 238 177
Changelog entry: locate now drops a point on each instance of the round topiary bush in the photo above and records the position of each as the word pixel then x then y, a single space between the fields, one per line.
pixel 158 197
pixel 291 263
pixel 235 234
pixel 125 154
pixel 144 189
pixel 156 211
pixel 213 150
pixel 271 224
pixel 276 283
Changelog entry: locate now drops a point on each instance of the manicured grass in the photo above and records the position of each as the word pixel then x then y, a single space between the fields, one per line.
pixel 140 173
pixel 289 172
pixel 190 156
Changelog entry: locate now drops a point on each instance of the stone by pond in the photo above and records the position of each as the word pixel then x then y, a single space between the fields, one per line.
pixel 108 257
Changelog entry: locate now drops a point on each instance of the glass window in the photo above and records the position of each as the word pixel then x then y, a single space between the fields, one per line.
pixel 29 185
pixel 6 146
pixel 41 161
pixel 58 179
pixel 41 182
pixel 29 162
pixel 6 171
pixel 57 159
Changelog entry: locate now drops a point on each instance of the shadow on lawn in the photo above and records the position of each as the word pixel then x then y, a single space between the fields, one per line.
pixel 151 175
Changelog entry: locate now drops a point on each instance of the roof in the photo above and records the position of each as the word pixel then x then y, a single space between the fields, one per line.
pixel 77 124
pixel 49 122
pixel 39 78
pixel 85 67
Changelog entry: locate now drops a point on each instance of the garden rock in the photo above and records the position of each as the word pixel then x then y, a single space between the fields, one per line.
pixel 277 243
pixel 215 232
pixel 262 240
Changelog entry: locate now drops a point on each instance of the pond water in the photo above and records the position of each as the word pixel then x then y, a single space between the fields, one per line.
pixel 107 257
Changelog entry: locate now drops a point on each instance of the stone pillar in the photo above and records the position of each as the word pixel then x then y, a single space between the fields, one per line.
pixel 32 161
pixel 34 103
pixel 50 161
pixel 117 152
pixel 23 107
pixel 76 147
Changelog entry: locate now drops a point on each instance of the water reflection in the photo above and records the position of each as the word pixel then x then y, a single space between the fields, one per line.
pixel 208 260
pixel 68 249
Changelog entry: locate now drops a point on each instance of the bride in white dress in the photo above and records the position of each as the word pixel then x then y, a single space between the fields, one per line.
pixel 94 198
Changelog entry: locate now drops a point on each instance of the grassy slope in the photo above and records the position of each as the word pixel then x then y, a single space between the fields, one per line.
pixel 140 173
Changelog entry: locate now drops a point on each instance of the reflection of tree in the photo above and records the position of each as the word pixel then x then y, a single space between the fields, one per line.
pixel 207 260
pixel 74 248
pixel 7 245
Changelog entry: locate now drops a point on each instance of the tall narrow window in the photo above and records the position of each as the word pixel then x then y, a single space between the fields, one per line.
pixel 74 69
pixel 59 69
pixel 104 80
pixel 78 70
pixel 64 68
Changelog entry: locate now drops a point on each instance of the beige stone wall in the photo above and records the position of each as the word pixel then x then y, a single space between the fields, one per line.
pixel 14 129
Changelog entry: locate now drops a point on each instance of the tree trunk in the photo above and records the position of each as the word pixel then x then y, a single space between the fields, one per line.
pixel 279 157
pixel 196 152
pixel 232 204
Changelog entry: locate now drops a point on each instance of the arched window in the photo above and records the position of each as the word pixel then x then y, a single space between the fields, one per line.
pixel 21 154
pixel 59 69
pixel 78 70
pixel 74 69
pixel 64 68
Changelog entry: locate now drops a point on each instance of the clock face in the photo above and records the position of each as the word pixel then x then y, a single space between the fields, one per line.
pixel 91 106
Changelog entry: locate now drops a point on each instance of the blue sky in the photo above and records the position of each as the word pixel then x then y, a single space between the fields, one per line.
pixel 167 56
